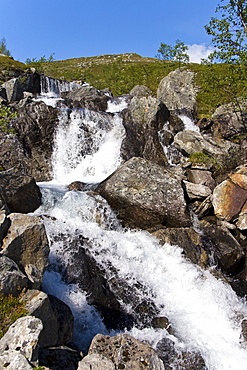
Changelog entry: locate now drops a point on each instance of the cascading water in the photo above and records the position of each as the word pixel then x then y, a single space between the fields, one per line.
pixel 204 312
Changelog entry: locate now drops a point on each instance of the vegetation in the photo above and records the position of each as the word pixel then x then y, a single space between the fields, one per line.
pixel 229 32
pixel 3 47
pixel 11 309
pixel 5 119
pixel 176 53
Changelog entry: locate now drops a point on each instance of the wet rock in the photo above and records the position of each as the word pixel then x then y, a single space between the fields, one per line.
pixel 26 242
pixel 178 90
pixel 124 352
pixel 228 252
pixel 142 120
pixel 15 87
pixel 12 280
pixel 196 191
pixel 23 336
pixel 145 194
pixel 228 199
pixel 19 192
pixel 87 97
pixel 186 238
pixel 176 358
pixel 140 91
pixel 77 185
pixel 57 358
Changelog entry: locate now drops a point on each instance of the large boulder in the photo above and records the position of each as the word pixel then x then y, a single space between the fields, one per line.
pixel 12 280
pixel 142 120
pixel 140 91
pixel 23 336
pixel 230 119
pixel 55 315
pixel 145 194
pixel 230 195
pixel 13 360
pixel 15 87
pixel 35 126
pixel 189 142
pixel 120 352
pixel 26 243
pixel 178 91
pixel 19 192
pixel 87 97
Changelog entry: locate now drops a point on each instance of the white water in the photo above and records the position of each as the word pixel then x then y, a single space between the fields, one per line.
pixel 204 312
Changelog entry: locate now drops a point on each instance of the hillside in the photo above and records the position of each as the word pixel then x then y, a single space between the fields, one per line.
pixel 218 83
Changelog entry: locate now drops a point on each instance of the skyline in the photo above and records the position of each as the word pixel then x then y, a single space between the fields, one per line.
pixel 83 29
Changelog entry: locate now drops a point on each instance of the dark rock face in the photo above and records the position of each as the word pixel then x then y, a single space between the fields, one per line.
pixel 86 97
pixel 142 120
pixel 12 280
pixel 35 126
pixel 16 86
pixel 19 192
pixel 145 194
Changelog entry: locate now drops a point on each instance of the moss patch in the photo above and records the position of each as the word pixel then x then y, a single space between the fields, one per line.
pixel 11 309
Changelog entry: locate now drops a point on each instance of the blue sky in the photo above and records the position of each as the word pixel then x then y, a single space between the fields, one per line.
pixel 77 28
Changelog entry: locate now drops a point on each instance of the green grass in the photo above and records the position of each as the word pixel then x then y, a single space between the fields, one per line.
pixel 217 83
pixel 11 309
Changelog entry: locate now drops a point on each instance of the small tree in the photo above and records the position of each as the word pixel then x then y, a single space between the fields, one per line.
pixel 176 52
pixel 229 32
pixel 3 47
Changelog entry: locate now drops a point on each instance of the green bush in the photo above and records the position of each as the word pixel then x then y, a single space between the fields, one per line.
pixel 11 309
pixel 5 118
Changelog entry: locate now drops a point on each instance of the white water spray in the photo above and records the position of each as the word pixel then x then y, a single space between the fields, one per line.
pixel 204 312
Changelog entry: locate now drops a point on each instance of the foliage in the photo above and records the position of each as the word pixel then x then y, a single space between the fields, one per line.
pixel 202 158
pixel 3 47
pixel 5 118
pixel 11 309
pixel 176 52
pixel 229 32
pixel 41 59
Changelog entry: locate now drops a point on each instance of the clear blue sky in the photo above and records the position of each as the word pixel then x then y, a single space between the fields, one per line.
pixel 77 28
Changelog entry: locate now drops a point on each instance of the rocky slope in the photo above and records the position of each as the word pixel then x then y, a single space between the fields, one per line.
pixel 206 182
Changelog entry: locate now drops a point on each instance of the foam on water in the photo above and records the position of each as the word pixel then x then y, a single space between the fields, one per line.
pixel 204 312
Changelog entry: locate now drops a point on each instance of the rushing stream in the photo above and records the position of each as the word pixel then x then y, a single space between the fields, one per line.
pixel 204 312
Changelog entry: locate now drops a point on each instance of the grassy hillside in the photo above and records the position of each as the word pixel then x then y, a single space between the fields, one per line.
pixel 218 83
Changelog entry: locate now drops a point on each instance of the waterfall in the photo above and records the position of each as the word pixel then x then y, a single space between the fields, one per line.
pixel 52 87
pixel 204 312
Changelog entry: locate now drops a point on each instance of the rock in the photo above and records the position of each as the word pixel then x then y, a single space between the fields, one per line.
pixel 228 199
pixel 12 280
pixel 96 361
pixel 35 125
pixel 196 191
pixel 178 91
pixel 15 87
pixel 186 238
pixel 57 358
pixel 189 142
pixel 230 119
pixel 142 120
pixel 242 218
pixel 38 305
pixel 3 95
pixel 4 225
pixel 23 336
pixel 240 177
pixel 77 185
pixel 176 358
pixel 13 360
pixel 124 352
pixel 145 194
pixel 65 320
pixel 202 177
pixel 227 250
pixel 87 97
pixel 26 242
pixel 140 91
pixel 19 192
